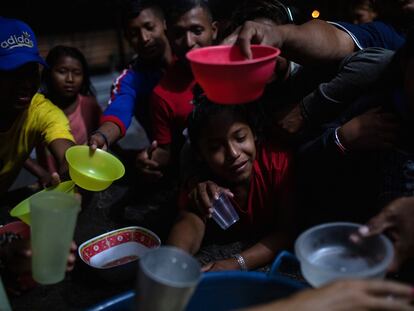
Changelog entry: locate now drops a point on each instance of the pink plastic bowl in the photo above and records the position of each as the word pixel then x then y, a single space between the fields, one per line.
pixel 227 77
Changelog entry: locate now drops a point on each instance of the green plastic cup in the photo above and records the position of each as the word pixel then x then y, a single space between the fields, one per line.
pixel 53 220
pixel 4 301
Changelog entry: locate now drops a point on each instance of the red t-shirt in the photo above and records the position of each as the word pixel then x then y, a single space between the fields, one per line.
pixel 268 199
pixel 170 104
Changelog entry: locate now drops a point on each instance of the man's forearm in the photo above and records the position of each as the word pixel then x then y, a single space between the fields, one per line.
pixel 315 41
pixel 111 131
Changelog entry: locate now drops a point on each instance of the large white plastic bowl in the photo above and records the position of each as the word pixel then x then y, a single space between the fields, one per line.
pixel 326 253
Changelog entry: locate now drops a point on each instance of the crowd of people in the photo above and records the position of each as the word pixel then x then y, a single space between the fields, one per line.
pixel 328 140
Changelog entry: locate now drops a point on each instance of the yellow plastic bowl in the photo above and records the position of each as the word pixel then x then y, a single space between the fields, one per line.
pixel 93 170
pixel 22 210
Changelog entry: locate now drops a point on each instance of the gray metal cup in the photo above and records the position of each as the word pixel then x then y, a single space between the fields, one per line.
pixel 224 213
pixel 167 278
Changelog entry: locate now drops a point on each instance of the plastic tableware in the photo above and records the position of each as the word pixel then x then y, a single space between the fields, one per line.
pixel 114 254
pixel 327 253
pixel 22 210
pixel 224 213
pixel 227 77
pixel 166 280
pixel 53 219
pixel 93 170
pixel 4 301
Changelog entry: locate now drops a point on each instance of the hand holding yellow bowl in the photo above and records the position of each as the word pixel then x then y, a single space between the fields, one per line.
pixel 93 170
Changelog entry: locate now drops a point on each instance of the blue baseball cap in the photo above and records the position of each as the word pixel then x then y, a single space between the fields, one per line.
pixel 18 45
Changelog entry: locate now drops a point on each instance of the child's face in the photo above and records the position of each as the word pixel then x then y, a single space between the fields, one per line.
pixel 146 34
pixel 192 30
pixel 67 77
pixel 17 87
pixel 227 145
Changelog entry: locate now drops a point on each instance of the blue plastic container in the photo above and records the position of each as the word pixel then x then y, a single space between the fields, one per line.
pixel 222 291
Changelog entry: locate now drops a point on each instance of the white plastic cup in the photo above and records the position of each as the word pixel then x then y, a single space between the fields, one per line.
pixel 224 213
pixel 53 219
pixel 167 278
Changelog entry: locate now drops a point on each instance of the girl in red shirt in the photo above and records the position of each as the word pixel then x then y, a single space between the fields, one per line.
pixel 255 175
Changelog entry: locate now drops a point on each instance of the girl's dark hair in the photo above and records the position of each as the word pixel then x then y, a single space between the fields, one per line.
pixel 53 57
pixel 175 9
pixel 204 110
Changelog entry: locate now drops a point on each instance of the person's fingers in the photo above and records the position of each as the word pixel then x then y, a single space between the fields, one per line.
pixel 78 197
pixel 388 303
pixel 228 192
pixel 378 224
pixel 213 190
pixel 95 142
pixel 148 164
pixel 151 148
pixel 55 179
pixel 380 287
pixel 203 196
pixel 73 247
pixel 246 36
pixel 150 173
pixel 71 259
pixel 207 267
pixel 71 262
pixel 232 38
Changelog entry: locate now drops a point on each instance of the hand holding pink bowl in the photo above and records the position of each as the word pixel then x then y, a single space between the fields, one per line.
pixel 227 77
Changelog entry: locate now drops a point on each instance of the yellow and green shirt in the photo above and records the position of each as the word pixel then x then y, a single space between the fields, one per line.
pixel 41 122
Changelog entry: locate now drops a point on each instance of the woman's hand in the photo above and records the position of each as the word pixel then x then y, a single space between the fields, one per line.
pixel 204 195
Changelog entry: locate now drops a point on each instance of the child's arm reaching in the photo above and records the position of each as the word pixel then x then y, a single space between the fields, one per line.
pixel 45 178
pixel 187 232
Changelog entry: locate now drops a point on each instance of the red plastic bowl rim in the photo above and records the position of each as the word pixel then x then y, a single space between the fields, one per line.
pixel 276 53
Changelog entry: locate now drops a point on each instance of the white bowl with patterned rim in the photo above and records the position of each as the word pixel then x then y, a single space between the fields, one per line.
pixel 115 254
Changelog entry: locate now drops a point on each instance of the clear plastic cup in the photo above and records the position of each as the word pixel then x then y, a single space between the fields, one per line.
pixel 224 213
pixel 53 220
pixel 167 278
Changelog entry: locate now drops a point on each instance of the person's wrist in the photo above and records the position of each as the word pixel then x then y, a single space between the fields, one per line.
pixel 105 138
pixel 241 262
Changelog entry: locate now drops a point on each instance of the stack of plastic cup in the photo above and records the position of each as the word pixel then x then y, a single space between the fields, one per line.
pixel 53 220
